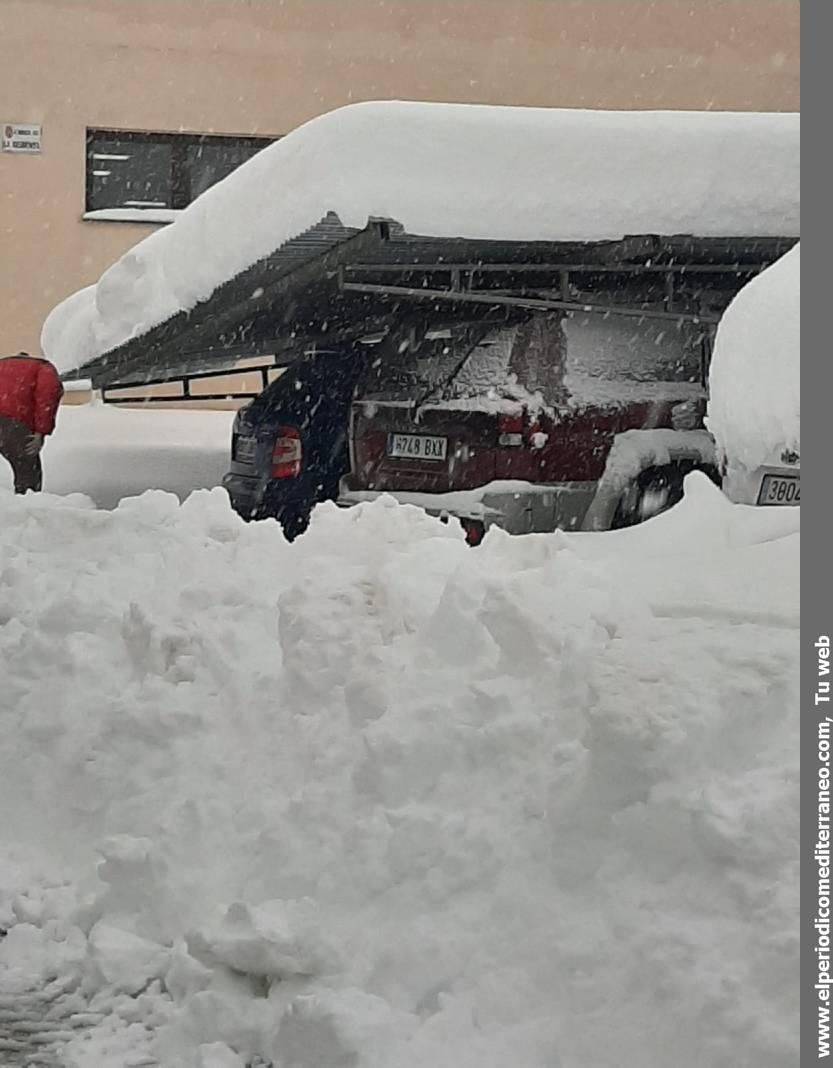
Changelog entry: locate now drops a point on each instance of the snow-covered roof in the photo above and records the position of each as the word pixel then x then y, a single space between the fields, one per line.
pixel 451 170
pixel 754 381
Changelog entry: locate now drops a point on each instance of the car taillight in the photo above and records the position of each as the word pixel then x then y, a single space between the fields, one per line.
pixel 287 454
pixel 475 530
pixel 510 429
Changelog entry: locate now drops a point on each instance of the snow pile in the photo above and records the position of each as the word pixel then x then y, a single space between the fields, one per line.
pixel 108 453
pixel 755 396
pixel 451 170
pixel 486 502
pixel 376 799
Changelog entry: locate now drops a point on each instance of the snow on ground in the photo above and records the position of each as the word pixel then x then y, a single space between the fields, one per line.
pixel 755 376
pixel 110 453
pixel 376 799
pixel 451 170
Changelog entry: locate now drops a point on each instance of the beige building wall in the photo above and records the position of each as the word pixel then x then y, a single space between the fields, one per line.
pixel 264 66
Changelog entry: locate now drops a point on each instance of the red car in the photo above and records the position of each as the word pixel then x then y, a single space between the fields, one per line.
pixel 514 425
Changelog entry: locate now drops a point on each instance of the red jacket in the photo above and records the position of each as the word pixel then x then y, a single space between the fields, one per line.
pixel 30 392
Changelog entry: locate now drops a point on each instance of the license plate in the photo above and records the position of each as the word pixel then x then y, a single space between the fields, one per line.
pixel 245 450
pixel 417 447
pixel 780 489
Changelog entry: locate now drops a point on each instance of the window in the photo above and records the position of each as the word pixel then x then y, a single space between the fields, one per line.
pixel 615 359
pixel 580 359
pixel 450 364
pixel 619 348
pixel 153 171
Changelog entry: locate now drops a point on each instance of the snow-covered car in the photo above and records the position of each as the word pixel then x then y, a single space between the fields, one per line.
pixel 776 483
pixel 754 386
pixel 515 426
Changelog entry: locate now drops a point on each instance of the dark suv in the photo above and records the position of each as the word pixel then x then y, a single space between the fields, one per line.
pixel 289 446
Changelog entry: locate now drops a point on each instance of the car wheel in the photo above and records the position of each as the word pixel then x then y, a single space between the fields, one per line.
pixel 649 495
pixel 655 491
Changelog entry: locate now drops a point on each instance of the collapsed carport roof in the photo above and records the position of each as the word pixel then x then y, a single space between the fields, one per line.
pixel 334 283
pixel 479 184
pixel 291 281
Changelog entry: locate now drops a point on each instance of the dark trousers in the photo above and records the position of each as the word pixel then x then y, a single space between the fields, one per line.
pixel 27 470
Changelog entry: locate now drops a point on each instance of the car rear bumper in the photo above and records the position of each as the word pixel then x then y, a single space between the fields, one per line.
pixel 763 486
pixel 245 493
pixel 259 498
pixel 517 507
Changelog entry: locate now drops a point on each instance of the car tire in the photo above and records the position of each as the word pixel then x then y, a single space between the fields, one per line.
pixel 655 491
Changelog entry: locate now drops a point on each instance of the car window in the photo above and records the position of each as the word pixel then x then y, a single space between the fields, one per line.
pixel 558 358
pixel 406 374
pixel 315 393
pixel 272 396
pixel 459 366
pixel 616 357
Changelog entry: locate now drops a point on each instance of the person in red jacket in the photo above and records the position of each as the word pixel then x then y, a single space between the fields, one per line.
pixel 30 392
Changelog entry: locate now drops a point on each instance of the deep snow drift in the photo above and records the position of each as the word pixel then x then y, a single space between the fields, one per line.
pixel 376 799
pixel 755 376
pixel 451 170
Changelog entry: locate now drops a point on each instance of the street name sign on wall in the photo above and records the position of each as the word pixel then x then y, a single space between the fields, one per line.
pixel 21 137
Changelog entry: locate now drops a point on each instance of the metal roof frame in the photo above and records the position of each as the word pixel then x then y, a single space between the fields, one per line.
pixel 334 283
